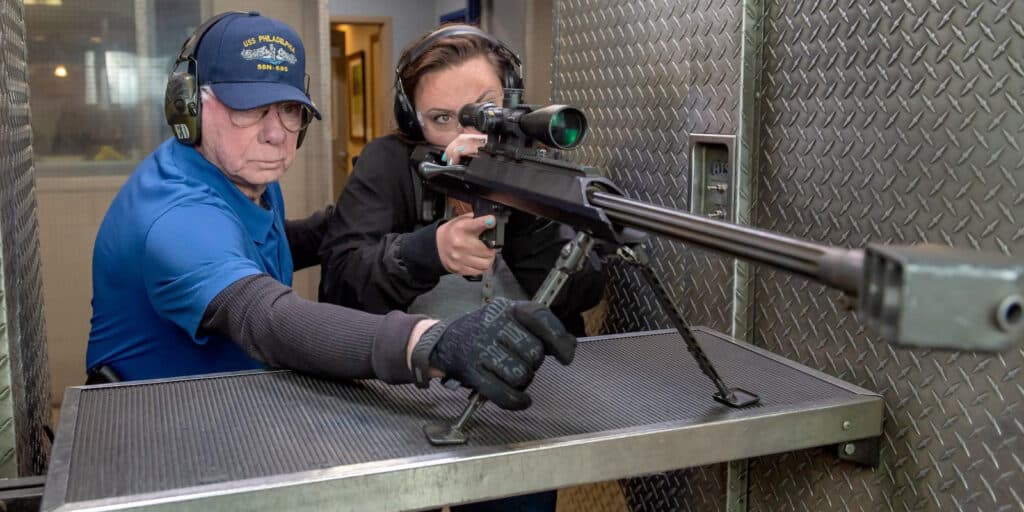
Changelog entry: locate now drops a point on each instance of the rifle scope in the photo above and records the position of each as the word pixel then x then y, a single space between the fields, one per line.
pixel 559 126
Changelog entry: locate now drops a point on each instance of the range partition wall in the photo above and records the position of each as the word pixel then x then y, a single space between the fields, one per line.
pixel 853 121
pixel 24 387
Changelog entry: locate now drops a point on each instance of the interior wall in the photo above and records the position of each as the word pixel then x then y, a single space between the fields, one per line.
pixel 507 21
pixel 443 7
pixel 24 400
pixel 403 22
pixel 357 39
pixel 70 212
pixel 539 50
pixel 893 126
pixel 410 18
pixel 526 27
pixel 872 124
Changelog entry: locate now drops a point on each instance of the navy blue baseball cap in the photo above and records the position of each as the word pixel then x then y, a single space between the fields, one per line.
pixel 250 61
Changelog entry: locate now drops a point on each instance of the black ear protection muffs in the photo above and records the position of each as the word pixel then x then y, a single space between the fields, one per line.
pixel 183 107
pixel 405 112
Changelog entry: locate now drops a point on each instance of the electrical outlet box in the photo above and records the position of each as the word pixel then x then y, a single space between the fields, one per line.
pixel 712 176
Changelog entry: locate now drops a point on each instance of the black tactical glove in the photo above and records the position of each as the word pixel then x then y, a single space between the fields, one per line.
pixel 494 350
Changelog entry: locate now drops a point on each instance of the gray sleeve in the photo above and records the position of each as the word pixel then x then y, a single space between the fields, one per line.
pixel 276 326
pixel 304 237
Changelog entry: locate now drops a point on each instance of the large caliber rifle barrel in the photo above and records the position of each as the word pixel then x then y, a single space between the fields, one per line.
pixel 920 295
pixel 837 267
pixel 924 295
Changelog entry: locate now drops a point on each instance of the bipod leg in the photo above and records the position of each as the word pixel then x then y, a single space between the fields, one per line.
pixel 733 397
pixel 570 261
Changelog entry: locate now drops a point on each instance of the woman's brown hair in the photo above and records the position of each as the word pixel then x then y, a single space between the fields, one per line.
pixel 442 54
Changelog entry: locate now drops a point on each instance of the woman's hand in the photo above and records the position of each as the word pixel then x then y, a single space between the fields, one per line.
pixel 460 248
pixel 466 144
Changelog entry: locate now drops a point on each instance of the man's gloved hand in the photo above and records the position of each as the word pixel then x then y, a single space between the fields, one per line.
pixel 495 349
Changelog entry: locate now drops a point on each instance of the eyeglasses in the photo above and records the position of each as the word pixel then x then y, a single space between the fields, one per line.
pixel 294 115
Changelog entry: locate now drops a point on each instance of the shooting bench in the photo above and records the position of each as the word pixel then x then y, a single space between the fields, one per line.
pixel 629 405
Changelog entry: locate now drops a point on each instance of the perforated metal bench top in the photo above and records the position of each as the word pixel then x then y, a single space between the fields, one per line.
pixel 629 405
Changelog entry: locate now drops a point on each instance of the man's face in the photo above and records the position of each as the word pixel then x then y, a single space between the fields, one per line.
pixel 251 156
pixel 440 94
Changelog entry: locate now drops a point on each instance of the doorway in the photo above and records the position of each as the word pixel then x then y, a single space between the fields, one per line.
pixel 359 64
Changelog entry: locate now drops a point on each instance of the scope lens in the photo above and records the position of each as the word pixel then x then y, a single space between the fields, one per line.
pixel 566 127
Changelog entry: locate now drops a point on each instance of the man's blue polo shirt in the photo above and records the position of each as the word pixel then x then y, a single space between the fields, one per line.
pixel 175 236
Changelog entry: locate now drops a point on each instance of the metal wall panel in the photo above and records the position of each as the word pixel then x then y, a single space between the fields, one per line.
pixel 900 122
pixel 648 74
pixel 882 121
pixel 24 389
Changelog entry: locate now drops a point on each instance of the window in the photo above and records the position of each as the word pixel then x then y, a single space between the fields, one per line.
pixel 97 72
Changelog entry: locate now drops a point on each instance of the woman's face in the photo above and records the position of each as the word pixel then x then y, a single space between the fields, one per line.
pixel 440 94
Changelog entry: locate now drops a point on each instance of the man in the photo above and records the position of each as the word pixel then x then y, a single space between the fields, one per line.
pixel 193 262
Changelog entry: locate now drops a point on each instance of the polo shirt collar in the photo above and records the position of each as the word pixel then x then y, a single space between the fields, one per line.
pixel 258 221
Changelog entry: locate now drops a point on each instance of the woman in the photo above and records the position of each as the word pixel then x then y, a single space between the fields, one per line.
pixel 380 254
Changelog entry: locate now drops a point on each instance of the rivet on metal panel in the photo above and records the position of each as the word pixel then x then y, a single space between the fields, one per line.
pixel 863 451
pixel 847 424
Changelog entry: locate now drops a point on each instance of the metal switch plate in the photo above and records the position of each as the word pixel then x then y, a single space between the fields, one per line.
pixel 712 176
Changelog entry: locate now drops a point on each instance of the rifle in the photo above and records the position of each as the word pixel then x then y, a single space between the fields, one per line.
pixel 924 295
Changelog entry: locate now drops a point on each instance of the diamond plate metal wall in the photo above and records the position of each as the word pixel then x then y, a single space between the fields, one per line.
pixel 27 388
pixel 884 121
pixel 649 73
pixel 902 122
